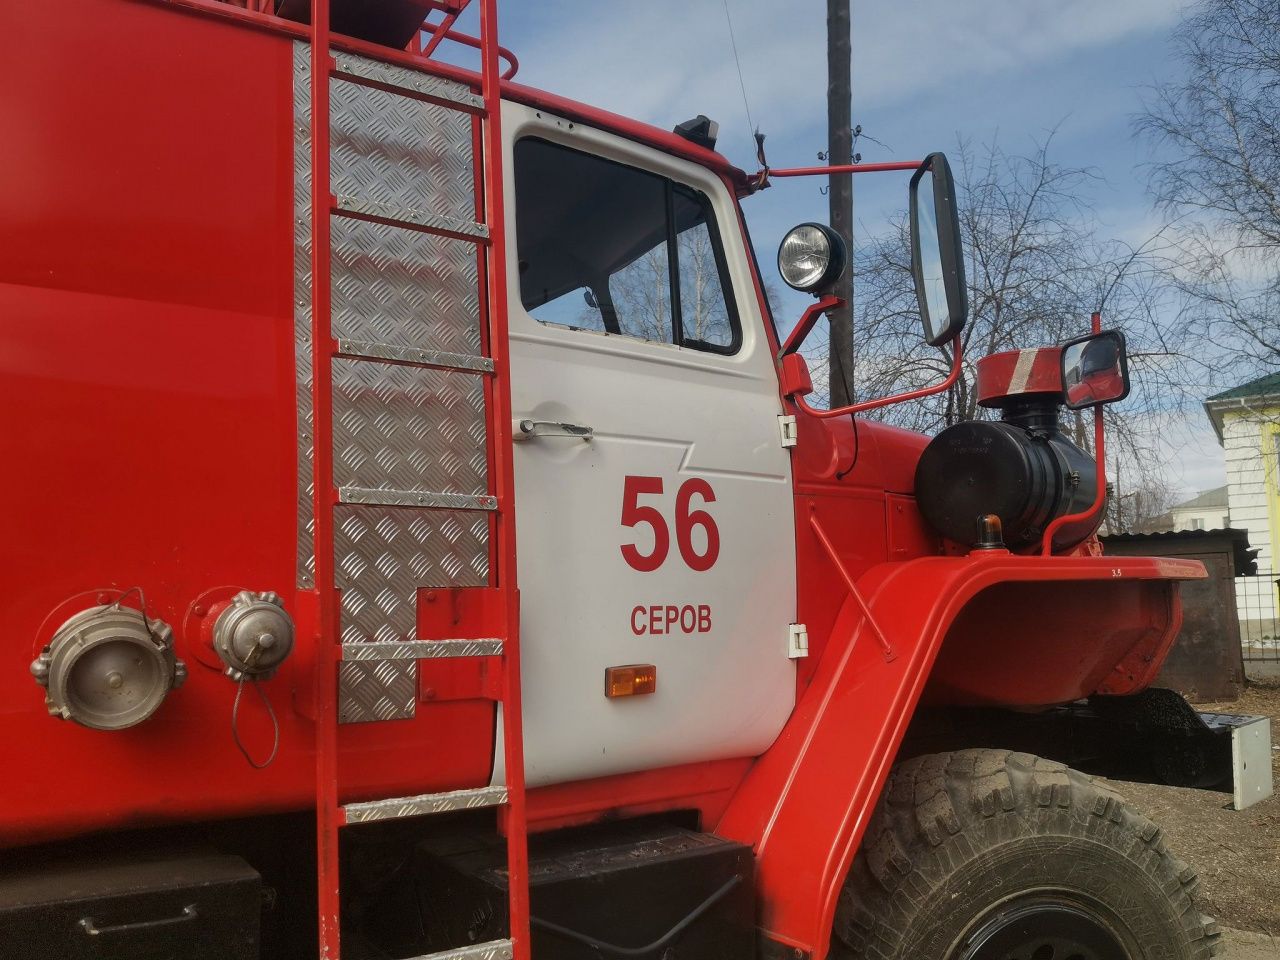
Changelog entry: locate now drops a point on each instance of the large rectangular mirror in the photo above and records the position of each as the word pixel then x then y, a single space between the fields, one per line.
pixel 937 260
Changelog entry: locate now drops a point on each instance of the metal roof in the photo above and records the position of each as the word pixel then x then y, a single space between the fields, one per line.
pixel 1246 557
pixel 1217 497
pixel 1261 387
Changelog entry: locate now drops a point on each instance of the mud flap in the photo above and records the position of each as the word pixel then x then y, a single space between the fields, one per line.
pixel 1156 735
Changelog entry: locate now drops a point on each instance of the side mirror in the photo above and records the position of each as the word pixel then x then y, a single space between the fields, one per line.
pixel 1095 370
pixel 937 263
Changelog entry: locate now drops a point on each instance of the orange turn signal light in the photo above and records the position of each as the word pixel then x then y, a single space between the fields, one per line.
pixel 631 680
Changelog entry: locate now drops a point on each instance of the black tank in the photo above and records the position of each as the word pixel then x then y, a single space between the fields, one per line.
pixel 1022 468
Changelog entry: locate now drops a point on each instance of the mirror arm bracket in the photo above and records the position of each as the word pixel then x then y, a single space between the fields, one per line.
pixel 957 367
pixel 807 321
pixel 1100 458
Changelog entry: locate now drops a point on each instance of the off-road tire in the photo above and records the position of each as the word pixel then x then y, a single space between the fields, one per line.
pixel 957 838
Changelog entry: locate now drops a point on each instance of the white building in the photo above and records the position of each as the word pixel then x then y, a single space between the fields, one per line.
pixel 1247 421
pixel 1208 511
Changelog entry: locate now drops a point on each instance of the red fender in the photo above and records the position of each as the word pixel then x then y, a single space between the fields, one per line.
pixel 806 802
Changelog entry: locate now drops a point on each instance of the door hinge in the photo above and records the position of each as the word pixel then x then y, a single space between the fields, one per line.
pixel 797 641
pixel 787 425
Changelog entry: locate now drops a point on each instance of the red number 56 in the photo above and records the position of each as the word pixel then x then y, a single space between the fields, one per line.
pixel 635 513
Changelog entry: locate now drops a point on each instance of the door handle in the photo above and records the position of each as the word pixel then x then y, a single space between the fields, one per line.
pixel 91 928
pixel 533 429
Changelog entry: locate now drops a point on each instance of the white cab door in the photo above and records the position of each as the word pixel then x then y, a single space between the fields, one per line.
pixel 668 538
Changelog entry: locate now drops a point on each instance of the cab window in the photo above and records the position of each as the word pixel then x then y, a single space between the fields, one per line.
pixel 612 249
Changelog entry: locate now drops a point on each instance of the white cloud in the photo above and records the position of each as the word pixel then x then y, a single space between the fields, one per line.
pixel 1191 458
pixel 667 59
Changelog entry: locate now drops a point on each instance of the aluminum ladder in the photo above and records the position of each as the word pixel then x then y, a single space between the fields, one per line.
pixel 333 649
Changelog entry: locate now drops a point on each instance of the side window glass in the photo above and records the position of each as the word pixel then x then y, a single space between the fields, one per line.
pixel 612 249
pixel 704 307
pixel 578 309
pixel 641 295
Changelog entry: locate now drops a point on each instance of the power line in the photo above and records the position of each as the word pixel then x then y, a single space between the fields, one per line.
pixel 733 42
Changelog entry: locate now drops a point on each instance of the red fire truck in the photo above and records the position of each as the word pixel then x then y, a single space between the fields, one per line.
pixel 418 542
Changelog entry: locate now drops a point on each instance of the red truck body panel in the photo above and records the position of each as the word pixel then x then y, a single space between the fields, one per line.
pixel 150 439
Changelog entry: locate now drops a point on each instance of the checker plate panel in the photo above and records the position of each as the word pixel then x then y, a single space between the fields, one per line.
pixel 401 288
pixel 402 153
pixel 408 428
pixel 384 556
pixel 404 287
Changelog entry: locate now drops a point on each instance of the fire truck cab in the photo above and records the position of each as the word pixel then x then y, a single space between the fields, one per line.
pixel 448 562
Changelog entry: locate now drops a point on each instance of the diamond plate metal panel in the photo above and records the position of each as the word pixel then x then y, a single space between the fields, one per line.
pixel 367 350
pixel 302 305
pixel 401 152
pixel 411 217
pixel 494 950
pixel 404 287
pixel 388 497
pixel 422 649
pixel 369 690
pixel 406 428
pixel 385 554
pixel 425 804
pixel 409 80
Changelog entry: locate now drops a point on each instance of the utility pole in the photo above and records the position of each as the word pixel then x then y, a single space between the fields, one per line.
pixel 840 193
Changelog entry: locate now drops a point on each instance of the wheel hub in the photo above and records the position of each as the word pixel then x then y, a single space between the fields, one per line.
pixel 1041 927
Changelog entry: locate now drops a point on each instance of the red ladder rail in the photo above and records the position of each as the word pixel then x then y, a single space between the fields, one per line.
pixel 504 477
pixel 326 616
pixel 327 613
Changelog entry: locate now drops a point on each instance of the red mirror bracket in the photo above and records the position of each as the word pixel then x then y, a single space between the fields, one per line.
pixel 957 367
pixel 796 381
pixel 807 320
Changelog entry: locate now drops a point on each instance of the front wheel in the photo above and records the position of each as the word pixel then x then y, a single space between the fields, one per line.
pixel 992 855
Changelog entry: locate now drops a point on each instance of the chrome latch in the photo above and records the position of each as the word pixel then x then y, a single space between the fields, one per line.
pixel 797 641
pixel 790 433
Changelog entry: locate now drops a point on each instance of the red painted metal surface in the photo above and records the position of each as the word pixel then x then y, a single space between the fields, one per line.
pixel 645 133
pixel 146 314
pixel 806 802
pixel 1109 640
pixel 957 367
pixel 812 314
pixel 327 603
pixel 504 486
pixel 845 168
pixel 1012 373
pixel 702 787
pixel 794 386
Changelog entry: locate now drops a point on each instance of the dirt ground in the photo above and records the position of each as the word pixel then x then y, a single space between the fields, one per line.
pixel 1236 853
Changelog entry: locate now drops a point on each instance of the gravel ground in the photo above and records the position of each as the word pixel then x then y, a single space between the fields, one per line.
pixel 1243 945
pixel 1236 853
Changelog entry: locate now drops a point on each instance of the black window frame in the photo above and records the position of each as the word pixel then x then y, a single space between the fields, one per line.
pixel 712 222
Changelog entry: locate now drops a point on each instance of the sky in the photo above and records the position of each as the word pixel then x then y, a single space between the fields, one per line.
pixel 925 73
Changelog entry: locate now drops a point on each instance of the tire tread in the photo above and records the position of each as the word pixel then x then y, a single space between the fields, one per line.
pixel 939 811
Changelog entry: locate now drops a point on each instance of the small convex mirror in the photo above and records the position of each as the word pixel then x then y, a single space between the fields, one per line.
pixel 936 261
pixel 1095 370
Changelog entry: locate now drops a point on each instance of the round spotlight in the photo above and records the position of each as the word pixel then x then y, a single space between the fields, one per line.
pixel 108 668
pixel 811 257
